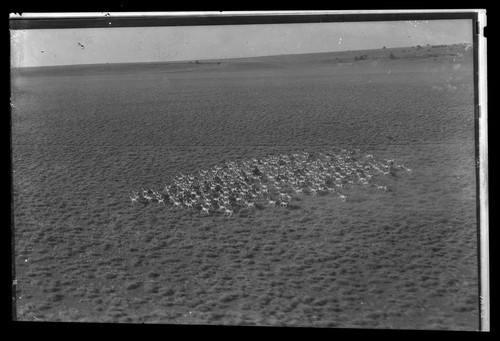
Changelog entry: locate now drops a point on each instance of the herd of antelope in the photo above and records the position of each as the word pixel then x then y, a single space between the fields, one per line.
pixel 271 181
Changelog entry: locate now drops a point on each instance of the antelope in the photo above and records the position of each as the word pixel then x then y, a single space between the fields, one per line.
pixel 285 196
pixel 249 205
pixel 406 169
pixel 135 197
pixel 364 182
pixel 271 203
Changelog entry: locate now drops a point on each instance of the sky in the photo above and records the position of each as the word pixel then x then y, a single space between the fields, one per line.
pixel 49 47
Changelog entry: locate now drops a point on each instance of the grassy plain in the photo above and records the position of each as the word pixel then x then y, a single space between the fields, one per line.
pixel 84 137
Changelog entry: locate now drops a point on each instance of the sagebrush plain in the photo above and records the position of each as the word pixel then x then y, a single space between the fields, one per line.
pixel 84 137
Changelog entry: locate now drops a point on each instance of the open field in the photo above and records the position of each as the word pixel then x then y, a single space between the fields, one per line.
pixel 85 137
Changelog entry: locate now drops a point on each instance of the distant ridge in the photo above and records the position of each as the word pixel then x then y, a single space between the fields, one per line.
pixel 411 52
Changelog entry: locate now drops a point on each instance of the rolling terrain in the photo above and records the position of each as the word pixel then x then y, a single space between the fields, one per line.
pixel 85 137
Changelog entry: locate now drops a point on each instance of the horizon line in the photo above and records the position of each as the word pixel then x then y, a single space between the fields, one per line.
pixel 229 58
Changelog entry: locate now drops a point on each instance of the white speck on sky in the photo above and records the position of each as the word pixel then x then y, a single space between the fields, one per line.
pixel 157 44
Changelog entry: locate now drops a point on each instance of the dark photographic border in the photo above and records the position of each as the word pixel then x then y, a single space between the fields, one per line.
pixel 125 19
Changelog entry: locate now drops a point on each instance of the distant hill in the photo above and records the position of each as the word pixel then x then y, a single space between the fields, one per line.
pixel 453 53
pixel 413 52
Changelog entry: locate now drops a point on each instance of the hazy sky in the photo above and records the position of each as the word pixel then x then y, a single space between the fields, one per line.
pixel 154 44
